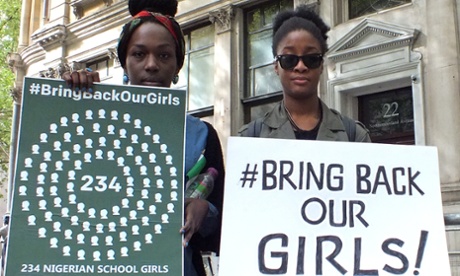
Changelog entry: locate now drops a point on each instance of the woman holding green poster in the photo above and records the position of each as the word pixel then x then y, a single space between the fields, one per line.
pixel 151 50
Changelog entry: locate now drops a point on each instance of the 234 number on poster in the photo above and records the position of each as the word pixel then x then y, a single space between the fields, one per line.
pixel 29 268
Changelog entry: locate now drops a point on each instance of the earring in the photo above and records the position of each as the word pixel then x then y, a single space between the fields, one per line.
pixel 175 79
pixel 125 79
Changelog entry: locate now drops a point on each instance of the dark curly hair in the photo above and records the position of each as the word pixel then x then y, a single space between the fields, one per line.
pixel 166 7
pixel 302 18
pixel 158 8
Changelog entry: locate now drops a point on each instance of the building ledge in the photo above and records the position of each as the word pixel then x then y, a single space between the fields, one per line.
pixel 79 6
pixel 50 36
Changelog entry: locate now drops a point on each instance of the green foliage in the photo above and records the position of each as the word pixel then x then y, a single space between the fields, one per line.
pixel 10 12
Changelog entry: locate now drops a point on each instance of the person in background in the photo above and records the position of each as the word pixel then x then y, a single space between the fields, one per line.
pixel 151 50
pixel 299 45
pixel 4 237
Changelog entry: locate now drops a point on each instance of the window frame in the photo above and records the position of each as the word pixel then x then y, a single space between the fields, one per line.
pixel 345 6
pixel 206 110
pixel 248 99
pixel 109 62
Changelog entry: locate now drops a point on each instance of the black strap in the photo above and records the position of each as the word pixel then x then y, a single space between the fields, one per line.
pixel 254 128
pixel 350 127
pixel 349 124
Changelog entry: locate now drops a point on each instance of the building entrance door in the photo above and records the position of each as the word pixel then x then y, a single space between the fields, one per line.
pixel 389 116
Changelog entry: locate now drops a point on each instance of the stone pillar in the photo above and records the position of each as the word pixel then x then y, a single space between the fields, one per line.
pixel 52 36
pixel 16 63
pixel 24 28
pixel 442 97
pixel 59 11
pixel 223 18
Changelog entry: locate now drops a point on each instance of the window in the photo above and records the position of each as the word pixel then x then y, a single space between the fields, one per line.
pixel 262 85
pixel 197 74
pixel 103 66
pixel 359 8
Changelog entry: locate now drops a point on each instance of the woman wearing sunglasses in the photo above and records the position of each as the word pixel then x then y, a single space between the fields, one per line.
pixel 299 44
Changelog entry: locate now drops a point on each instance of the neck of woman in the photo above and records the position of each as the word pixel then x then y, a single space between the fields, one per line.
pixel 303 114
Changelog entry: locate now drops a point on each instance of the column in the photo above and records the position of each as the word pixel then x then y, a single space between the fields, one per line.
pixel 442 97
pixel 17 64
pixel 223 72
pixel 24 30
pixel 59 11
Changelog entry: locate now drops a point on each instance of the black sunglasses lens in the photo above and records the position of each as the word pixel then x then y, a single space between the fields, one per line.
pixel 312 61
pixel 288 62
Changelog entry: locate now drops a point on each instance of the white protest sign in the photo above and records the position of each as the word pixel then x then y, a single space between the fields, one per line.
pixel 331 208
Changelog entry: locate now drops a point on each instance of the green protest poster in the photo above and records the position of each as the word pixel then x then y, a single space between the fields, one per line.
pixel 99 181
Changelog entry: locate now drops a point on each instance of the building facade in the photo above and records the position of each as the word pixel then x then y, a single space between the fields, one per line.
pixel 394 65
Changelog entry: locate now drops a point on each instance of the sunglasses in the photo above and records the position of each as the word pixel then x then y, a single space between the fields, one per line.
pixel 288 62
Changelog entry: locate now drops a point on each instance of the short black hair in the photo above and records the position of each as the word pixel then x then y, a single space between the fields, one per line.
pixel 301 18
